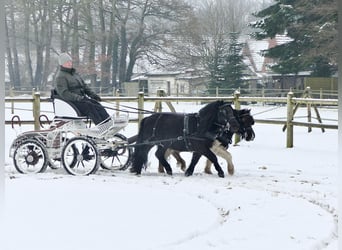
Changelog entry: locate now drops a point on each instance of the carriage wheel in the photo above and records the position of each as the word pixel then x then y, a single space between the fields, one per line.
pixel 30 156
pixel 80 157
pixel 117 158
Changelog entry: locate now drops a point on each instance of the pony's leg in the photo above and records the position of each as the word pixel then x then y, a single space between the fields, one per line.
pixel 194 160
pixel 176 155
pixel 160 166
pixel 221 151
pixel 160 154
pixel 212 157
pixel 180 160
pixel 140 158
pixel 207 168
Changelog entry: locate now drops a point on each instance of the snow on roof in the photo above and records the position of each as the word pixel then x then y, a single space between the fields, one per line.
pixel 256 47
pixel 282 39
pixel 163 73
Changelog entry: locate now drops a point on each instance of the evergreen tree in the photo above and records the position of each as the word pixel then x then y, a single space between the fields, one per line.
pixel 234 65
pixel 312 24
pixel 215 66
pixel 227 70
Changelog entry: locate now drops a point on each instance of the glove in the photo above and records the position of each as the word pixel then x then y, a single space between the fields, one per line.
pixel 81 98
pixel 96 98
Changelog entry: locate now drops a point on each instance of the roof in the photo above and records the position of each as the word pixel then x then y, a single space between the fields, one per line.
pixel 171 73
pixel 255 48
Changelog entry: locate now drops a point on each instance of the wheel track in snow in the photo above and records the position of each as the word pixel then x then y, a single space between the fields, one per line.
pixel 223 214
pixel 303 195
pixel 274 185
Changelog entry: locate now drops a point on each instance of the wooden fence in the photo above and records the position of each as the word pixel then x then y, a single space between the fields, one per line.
pixel 291 102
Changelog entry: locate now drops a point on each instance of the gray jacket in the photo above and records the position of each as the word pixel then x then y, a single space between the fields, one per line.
pixel 71 87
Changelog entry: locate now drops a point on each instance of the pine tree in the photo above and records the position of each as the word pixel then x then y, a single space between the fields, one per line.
pixel 234 65
pixel 313 27
pixel 227 70
pixel 215 64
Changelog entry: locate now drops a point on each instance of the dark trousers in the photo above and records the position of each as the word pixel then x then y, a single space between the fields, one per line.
pixel 93 109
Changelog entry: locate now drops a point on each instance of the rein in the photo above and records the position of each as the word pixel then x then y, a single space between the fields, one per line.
pixel 139 111
pixel 179 138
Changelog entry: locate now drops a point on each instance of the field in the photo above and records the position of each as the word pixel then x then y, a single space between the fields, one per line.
pixel 279 198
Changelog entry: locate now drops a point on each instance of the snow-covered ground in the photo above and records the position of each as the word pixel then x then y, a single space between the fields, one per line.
pixel 279 198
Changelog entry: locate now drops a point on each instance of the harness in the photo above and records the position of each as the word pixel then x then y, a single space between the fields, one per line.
pixel 188 130
pixel 191 123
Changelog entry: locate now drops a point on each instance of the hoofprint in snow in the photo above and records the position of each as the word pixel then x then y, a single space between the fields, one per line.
pixel 279 198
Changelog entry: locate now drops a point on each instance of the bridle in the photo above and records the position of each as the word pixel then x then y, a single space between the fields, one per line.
pixel 228 117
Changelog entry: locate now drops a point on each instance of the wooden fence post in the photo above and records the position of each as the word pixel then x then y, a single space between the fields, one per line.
pixel 237 106
pixel 36 110
pixel 140 107
pixel 117 94
pixel 289 119
pixel 12 102
pixel 158 105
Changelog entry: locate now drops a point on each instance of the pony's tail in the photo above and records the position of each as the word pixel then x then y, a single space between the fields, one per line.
pixel 140 152
pixel 140 158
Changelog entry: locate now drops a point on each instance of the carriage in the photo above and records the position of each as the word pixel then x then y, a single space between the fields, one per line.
pixel 71 142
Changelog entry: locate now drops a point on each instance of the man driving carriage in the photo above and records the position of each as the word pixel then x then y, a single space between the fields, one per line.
pixel 71 87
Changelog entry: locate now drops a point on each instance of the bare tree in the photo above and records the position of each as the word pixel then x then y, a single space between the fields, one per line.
pixel 11 46
pixel 207 36
pixel 107 38
pixel 154 31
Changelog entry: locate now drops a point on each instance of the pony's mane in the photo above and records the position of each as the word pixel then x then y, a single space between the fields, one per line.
pixel 242 112
pixel 207 115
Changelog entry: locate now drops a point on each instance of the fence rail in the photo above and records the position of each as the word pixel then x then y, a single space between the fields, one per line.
pixel 291 102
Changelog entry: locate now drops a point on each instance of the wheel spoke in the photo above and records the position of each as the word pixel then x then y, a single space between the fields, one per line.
pixel 80 157
pixel 30 156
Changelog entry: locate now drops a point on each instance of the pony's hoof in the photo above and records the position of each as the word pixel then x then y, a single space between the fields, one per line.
pixel 169 172
pixel 208 171
pixel 134 171
pixel 187 173
pixel 221 175
pixel 230 169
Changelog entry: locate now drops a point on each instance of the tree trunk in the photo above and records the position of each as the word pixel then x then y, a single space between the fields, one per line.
pixel 47 46
pixel 115 61
pixel 91 43
pixel 75 51
pixel 63 19
pixel 28 61
pixel 9 57
pixel 103 39
pixel 123 47
pixel 16 81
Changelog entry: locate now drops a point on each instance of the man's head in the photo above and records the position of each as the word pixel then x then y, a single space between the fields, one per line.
pixel 65 60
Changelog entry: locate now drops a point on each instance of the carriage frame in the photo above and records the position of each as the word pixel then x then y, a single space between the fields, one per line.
pixel 71 142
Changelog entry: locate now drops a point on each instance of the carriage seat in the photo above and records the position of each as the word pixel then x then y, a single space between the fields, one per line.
pixel 64 109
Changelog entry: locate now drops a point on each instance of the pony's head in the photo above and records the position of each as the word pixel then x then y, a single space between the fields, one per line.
pixel 216 116
pixel 246 121
pixel 227 118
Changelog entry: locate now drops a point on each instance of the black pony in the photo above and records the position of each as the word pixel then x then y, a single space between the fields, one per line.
pixel 220 145
pixel 223 140
pixel 183 132
pixel 246 121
